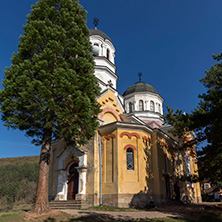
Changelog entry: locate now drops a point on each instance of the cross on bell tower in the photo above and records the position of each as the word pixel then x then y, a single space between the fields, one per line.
pixel 140 75
pixel 95 22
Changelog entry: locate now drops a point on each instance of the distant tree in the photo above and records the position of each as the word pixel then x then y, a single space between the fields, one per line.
pixel 206 122
pixel 50 90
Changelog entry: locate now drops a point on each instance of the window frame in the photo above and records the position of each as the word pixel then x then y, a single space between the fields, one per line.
pixel 130 159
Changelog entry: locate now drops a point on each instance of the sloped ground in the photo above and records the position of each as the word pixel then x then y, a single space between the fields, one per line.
pixel 190 212
pixel 205 211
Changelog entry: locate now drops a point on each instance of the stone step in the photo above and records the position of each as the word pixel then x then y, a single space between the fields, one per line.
pixel 73 204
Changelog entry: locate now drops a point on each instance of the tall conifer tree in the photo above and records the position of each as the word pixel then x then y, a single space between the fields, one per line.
pixel 50 90
pixel 206 121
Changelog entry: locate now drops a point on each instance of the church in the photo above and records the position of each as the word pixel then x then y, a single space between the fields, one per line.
pixel 133 160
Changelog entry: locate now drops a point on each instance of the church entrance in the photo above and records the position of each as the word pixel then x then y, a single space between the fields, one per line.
pixel 73 182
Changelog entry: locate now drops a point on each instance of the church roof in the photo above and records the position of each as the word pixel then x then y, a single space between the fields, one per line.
pixel 140 87
pixel 100 33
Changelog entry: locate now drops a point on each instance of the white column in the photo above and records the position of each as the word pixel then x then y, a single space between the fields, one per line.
pixel 62 185
pixel 82 169
pixel 82 180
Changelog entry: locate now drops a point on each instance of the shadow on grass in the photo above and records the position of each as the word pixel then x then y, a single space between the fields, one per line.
pixel 194 212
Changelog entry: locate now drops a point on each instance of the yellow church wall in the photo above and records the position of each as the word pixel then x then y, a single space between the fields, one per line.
pixel 109 170
pixel 109 118
pixel 119 185
pixel 156 170
pixel 131 181
pixel 109 100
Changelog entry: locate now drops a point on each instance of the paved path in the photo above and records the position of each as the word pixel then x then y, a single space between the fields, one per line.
pixel 121 215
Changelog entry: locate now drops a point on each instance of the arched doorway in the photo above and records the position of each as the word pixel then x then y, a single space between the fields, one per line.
pixel 73 182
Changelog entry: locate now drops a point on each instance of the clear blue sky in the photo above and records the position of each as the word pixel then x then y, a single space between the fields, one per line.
pixel 170 42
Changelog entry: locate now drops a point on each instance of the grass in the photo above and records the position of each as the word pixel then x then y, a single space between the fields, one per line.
pixel 115 209
pixel 11 216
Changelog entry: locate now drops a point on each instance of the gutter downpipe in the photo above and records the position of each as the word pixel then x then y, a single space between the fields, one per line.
pixel 100 172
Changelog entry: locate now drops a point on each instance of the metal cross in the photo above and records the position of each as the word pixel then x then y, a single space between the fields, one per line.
pixel 140 74
pixel 110 83
pixel 95 22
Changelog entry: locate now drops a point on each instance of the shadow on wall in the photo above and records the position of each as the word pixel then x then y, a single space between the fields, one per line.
pixel 144 199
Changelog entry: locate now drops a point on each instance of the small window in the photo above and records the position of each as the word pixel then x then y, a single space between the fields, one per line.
pixel 130 159
pixel 159 109
pixel 107 54
pixel 152 106
pixel 141 108
pixel 131 107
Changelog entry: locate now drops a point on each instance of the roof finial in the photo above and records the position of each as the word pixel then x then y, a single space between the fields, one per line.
pixel 95 22
pixel 140 74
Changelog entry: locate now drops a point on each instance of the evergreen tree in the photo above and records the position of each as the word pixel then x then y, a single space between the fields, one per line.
pixel 206 121
pixel 50 90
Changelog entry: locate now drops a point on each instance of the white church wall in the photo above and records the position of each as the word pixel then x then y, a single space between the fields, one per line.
pixel 146 98
pixel 105 77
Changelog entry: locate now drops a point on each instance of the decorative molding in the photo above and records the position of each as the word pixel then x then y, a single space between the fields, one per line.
pixel 130 135
pixel 147 140
pixel 163 144
pixel 129 146
pixel 109 110
pixel 109 136
pixel 74 160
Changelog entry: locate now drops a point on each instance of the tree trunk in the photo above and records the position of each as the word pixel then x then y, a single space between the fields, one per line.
pixel 41 200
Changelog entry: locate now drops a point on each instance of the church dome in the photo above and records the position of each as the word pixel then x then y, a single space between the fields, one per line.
pixel 140 87
pixel 100 33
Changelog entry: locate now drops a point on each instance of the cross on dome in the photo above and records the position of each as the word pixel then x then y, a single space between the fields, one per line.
pixel 95 22
pixel 140 74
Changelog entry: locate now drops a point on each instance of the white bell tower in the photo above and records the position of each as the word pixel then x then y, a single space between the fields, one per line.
pixel 104 58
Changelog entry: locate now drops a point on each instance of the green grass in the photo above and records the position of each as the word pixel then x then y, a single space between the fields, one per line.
pixel 11 216
pixel 116 209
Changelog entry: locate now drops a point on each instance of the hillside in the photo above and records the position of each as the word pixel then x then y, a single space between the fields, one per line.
pixel 18 160
pixel 18 177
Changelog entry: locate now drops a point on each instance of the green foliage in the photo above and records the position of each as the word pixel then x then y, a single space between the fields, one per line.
pixel 50 85
pixel 206 122
pixel 18 179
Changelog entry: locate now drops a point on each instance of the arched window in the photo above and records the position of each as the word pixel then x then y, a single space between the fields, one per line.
pixel 131 107
pixel 159 109
pixel 141 107
pixel 130 159
pixel 107 54
pixel 95 49
pixel 152 108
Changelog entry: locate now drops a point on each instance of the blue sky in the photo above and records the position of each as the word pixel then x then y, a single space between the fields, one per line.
pixel 171 42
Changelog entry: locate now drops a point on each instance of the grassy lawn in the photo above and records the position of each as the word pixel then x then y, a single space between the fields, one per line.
pixel 11 216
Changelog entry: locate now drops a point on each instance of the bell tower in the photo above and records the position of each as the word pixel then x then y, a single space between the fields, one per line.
pixel 104 57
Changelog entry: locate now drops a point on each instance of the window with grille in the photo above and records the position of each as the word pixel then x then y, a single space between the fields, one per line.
pixel 151 106
pixel 141 105
pixel 107 54
pixel 130 159
pixel 131 107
